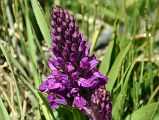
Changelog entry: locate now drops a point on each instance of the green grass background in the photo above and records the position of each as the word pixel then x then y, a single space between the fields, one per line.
pixel 130 60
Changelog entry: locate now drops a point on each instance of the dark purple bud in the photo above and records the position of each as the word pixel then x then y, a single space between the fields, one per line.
pixel 74 90
pixel 74 47
pixel 73 57
pixel 75 76
pixel 70 68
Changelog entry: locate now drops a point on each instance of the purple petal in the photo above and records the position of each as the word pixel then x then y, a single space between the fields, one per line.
pixel 55 73
pixel 82 46
pixel 67 43
pixel 51 66
pixel 70 68
pixel 79 102
pixel 93 63
pixel 43 86
pixel 74 47
pixel 50 98
pixel 75 34
pixel 64 52
pixel 74 90
pixel 101 77
pixel 75 75
pixel 52 63
pixel 83 62
pixel 87 50
pixel 88 83
pixel 73 57
pixel 59 29
pixel 53 31
pixel 53 86
pixel 71 25
pixel 54 106
pixel 60 100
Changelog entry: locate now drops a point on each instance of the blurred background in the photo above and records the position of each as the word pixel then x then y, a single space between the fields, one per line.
pixel 124 34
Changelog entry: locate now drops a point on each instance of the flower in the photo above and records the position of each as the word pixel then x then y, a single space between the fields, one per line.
pixel 74 75
pixel 101 104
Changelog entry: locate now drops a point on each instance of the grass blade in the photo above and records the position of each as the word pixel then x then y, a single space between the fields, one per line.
pixel 14 78
pixel 31 43
pixel 40 18
pixel 113 74
pixel 148 112
pixel 105 64
pixel 95 38
pixel 47 106
pixel 3 111
pixel 120 100
pixel 18 66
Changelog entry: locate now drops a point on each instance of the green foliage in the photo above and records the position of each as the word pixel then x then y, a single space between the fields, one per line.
pixel 129 56
pixel 148 112
pixel 40 18
pixel 3 111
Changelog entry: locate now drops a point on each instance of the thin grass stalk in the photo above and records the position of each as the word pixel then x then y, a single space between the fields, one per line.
pixel 14 80
pixel 149 50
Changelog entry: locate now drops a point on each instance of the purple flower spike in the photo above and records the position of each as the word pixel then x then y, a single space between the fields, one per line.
pixel 74 78
pixel 100 107
pixel 101 104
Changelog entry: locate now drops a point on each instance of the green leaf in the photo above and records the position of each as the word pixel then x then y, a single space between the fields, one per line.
pixel 148 112
pixel 40 18
pixel 31 43
pixel 105 64
pixel 3 111
pixel 76 114
pixel 5 52
pixel 32 52
pixel 120 100
pixel 113 74
pixel 95 38
pixel 47 105
pixel 18 66
pixel 65 113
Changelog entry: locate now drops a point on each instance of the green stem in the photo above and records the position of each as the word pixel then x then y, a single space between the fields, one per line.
pixel 149 46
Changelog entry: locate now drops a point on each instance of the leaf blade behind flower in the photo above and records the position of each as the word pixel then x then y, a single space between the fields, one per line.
pixel 113 74
pixel 40 18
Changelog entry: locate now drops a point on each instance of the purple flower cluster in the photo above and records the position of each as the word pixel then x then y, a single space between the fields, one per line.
pixel 101 105
pixel 74 79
